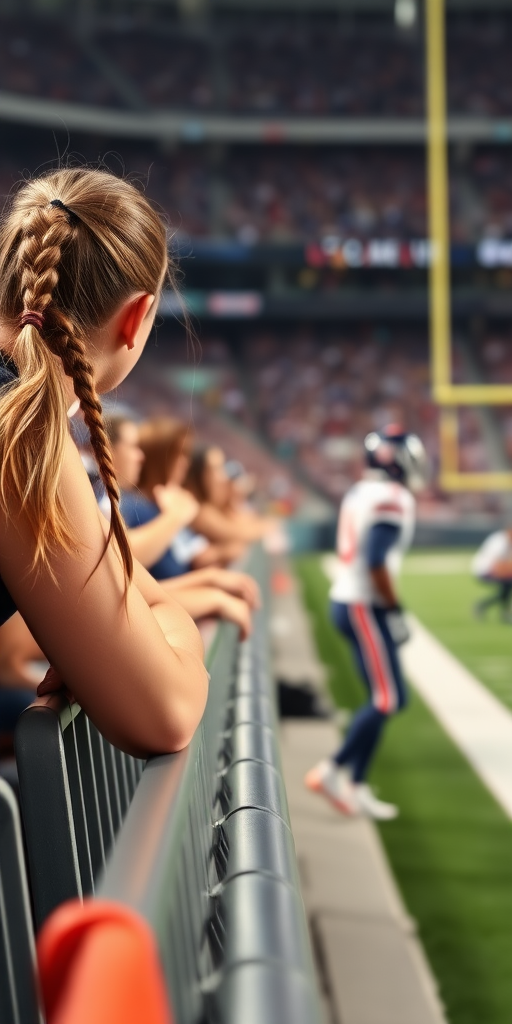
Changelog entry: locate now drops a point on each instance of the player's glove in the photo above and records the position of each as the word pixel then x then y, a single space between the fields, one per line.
pixel 397 625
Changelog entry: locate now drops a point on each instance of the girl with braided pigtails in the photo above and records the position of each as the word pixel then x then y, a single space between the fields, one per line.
pixel 82 261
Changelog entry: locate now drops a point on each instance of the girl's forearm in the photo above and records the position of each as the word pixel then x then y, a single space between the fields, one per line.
pixel 150 541
pixel 196 578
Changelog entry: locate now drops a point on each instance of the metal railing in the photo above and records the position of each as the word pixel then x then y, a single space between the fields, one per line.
pixel 18 995
pixel 207 856
pixel 198 842
pixel 75 789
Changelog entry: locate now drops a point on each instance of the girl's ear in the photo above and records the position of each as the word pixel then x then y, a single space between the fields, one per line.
pixel 132 315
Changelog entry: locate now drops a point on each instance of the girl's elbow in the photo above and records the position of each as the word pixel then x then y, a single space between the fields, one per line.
pixel 182 724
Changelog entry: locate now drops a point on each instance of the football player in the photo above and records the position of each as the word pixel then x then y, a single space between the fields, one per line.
pixel 375 528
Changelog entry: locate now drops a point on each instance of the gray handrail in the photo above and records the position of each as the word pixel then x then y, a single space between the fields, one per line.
pixel 75 789
pixel 19 1003
pixel 206 854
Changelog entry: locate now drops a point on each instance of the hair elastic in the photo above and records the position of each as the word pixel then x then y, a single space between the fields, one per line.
pixel 32 317
pixel 73 219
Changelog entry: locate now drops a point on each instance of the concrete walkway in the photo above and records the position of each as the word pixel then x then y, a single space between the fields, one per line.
pixel 372 968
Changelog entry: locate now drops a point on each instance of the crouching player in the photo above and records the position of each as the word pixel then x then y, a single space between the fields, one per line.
pixel 375 528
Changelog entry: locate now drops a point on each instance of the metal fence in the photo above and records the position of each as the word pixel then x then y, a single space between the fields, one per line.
pixel 75 790
pixel 199 842
pixel 18 995
pixel 207 856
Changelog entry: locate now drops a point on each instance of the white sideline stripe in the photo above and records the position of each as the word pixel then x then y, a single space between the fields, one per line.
pixel 477 722
pixel 473 717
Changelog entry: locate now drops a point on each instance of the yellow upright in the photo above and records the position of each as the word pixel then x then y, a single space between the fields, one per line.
pixel 438 209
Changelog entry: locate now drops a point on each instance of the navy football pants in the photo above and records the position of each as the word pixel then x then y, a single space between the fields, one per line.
pixel 375 653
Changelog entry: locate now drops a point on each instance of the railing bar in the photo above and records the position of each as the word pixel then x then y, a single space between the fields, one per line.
pixel 100 748
pixel 192 951
pixel 117 816
pixel 128 776
pixel 198 886
pixel 95 794
pixel 122 782
pixel 132 772
pixel 184 973
pixel 80 796
pixel 8 957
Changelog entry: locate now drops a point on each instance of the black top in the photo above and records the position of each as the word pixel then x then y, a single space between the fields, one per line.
pixel 7 605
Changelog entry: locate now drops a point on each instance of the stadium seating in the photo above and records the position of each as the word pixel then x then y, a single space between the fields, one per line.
pixel 290 64
pixel 312 392
pixel 297 196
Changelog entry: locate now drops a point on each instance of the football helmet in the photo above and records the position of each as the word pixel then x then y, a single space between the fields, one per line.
pixel 400 455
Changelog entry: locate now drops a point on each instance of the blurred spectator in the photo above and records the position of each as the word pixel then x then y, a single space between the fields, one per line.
pixel 220 518
pixel 157 525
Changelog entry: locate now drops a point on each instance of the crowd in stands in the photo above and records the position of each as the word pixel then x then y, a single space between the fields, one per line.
pixel 268 66
pixel 202 386
pixel 490 176
pixel 318 393
pixel 335 68
pixel 313 393
pixel 295 195
pixel 44 59
pixel 166 71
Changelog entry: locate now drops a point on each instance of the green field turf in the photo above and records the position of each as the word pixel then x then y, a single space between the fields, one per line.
pixel 451 848
pixel 438 587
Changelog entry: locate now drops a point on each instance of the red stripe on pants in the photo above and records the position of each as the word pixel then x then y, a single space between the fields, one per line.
pixel 379 669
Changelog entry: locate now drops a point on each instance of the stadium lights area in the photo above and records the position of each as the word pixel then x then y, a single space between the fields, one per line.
pixel 405 13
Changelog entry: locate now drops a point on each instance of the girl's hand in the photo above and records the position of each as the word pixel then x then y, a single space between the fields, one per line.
pixel 233 609
pixel 52 683
pixel 240 585
pixel 177 501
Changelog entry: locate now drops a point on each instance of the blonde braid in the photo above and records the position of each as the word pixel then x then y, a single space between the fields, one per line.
pixel 63 341
pixel 46 232
pixel 74 244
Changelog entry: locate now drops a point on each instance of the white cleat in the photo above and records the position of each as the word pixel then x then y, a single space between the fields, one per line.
pixel 369 805
pixel 334 784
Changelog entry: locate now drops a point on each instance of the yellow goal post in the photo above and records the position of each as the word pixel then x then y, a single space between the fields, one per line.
pixel 445 393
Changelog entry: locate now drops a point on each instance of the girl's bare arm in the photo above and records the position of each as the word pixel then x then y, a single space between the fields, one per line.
pixel 137 670
pixel 238 583
pixel 211 602
pixel 150 541
pixel 217 527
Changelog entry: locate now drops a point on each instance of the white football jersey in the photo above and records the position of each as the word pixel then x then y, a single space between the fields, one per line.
pixel 367 503
pixel 496 548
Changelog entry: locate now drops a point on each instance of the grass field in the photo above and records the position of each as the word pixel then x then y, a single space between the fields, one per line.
pixel 438 587
pixel 451 848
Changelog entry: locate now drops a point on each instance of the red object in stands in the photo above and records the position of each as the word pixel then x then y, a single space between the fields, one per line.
pixel 99 964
